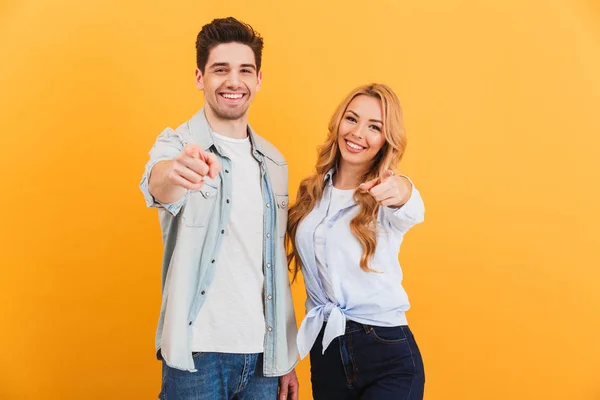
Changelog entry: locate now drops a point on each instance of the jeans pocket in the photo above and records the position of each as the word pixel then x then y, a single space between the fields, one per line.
pixel 388 335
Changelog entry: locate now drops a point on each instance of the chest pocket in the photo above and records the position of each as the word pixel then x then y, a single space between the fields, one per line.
pixel 278 174
pixel 200 204
pixel 282 212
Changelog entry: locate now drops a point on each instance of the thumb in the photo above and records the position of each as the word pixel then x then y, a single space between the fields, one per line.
pixel 366 186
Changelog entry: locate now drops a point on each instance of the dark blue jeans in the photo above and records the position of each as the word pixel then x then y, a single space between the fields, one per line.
pixel 368 363
pixel 220 376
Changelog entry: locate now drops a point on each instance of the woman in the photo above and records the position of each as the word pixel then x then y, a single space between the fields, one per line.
pixel 345 232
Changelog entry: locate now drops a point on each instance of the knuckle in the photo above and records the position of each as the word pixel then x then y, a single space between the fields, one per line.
pixel 173 175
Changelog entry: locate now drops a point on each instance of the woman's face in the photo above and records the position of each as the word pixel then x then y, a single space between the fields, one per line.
pixel 360 135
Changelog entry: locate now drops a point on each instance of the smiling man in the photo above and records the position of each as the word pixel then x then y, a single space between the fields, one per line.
pixel 227 327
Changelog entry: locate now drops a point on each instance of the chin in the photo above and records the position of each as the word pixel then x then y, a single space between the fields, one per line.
pixel 354 160
pixel 231 114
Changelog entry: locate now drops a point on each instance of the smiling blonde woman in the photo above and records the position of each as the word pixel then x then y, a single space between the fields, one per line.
pixel 345 232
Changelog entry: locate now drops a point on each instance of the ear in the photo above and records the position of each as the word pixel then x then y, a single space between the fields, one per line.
pixel 259 79
pixel 199 79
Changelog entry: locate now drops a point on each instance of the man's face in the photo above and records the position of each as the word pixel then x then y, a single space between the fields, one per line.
pixel 230 80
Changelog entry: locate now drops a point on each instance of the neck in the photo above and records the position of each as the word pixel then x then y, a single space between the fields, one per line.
pixel 348 176
pixel 233 128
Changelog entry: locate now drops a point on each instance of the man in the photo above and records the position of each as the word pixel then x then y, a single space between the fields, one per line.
pixel 227 327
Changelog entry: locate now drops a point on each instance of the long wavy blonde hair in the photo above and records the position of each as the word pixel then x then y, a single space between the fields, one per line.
pixel 364 224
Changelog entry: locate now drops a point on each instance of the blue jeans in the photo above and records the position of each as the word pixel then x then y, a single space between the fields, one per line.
pixel 368 363
pixel 220 376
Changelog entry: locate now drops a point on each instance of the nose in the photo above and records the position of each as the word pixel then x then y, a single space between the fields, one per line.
pixel 233 80
pixel 357 131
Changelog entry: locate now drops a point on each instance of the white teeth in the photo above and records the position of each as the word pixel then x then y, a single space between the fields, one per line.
pixel 232 96
pixel 354 146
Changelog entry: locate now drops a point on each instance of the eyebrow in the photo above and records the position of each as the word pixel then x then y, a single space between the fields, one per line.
pixel 372 120
pixel 226 64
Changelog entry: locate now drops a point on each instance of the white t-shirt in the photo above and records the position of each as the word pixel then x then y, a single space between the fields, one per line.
pixel 232 318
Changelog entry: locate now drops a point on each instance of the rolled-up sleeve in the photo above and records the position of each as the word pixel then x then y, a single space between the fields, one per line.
pixel 405 217
pixel 167 146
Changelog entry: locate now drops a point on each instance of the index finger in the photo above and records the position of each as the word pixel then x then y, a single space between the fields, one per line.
pixel 283 392
pixel 192 150
pixel 366 186
pixel 386 174
pixel 213 164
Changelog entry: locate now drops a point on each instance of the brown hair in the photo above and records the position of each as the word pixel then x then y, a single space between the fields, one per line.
pixel 227 30
pixel 363 225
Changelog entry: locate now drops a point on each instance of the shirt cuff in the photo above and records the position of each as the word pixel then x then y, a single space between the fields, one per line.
pixel 410 213
pixel 151 202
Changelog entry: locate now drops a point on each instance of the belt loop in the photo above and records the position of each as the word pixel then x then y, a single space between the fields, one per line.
pixel 367 328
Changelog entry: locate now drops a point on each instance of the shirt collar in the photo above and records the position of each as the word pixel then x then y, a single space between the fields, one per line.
pixel 329 176
pixel 203 134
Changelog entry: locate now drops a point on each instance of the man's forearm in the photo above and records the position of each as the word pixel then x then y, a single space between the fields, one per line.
pixel 161 187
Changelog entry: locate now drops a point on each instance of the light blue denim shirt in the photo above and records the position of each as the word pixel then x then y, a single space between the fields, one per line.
pixel 373 298
pixel 191 233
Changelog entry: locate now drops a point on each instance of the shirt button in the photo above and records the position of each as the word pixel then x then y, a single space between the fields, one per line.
pixel 223 231
pixel 269 297
pixel 190 324
pixel 202 292
pixel 283 203
pixel 269 328
pixel 268 235
pixel 268 265
pixel 227 201
pixel 268 205
pixel 213 261
pixel 226 171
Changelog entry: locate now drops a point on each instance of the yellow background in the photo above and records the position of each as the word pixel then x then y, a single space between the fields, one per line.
pixel 501 102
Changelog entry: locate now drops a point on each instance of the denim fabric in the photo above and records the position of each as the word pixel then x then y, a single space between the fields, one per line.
pixel 368 363
pixel 219 376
